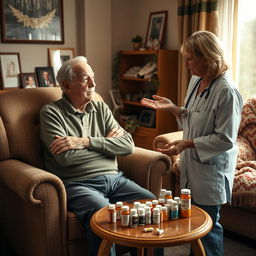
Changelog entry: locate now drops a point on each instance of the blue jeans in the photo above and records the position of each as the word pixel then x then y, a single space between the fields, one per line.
pixel 86 197
pixel 213 241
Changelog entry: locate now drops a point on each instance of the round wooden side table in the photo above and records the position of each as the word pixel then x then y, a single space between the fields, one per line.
pixel 176 232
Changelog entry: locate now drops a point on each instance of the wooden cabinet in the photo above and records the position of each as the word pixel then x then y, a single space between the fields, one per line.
pixel 132 89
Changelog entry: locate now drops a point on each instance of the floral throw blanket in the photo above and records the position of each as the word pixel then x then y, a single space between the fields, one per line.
pixel 245 174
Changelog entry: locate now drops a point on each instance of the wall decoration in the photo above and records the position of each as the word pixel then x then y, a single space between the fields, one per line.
pixel 45 76
pixel 10 68
pixel 116 99
pixel 28 80
pixel 156 30
pixel 57 56
pixel 32 21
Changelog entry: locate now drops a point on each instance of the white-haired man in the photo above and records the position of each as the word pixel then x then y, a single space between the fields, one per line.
pixel 81 139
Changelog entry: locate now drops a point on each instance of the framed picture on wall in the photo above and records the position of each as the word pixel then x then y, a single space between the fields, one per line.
pixel 57 56
pixel 45 76
pixel 156 30
pixel 32 21
pixel 147 118
pixel 10 69
pixel 28 80
pixel 116 98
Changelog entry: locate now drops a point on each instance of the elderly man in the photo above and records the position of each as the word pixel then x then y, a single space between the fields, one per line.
pixel 81 139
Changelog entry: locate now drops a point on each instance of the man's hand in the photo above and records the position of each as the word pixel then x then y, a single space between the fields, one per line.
pixel 176 147
pixel 115 132
pixel 61 144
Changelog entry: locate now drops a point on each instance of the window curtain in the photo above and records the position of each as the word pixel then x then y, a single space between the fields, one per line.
pixel 227 31
pixel 193 15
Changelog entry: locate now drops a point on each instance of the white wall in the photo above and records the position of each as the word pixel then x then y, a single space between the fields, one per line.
pixel 36 55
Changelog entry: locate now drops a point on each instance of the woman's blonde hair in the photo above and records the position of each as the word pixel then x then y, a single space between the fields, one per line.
pixel 207 45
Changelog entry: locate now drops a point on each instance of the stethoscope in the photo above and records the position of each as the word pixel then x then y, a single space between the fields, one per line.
pixel 206 91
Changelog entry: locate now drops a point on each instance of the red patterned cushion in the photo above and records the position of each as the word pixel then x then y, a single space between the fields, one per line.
pixel 245 152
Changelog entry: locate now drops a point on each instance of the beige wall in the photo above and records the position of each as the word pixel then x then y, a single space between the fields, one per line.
pixel 98 43
pixel 99 29
pixel 36 55
pixel 131 17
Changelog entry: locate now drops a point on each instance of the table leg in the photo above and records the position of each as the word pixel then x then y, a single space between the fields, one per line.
pixel 140 251
pixel 198 248
pixel 104 247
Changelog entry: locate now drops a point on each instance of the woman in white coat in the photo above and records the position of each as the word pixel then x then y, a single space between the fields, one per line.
pixel 210 120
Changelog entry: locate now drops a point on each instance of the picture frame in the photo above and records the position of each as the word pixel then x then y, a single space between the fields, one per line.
pixel 147 118
pixel 32 21
pixel 45 76
pixel 28 80
pixel 116 98
pixel 57 56
pixel 10 69
pixel 156 30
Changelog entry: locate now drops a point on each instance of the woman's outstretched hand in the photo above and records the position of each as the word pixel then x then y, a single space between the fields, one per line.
pixel 157 103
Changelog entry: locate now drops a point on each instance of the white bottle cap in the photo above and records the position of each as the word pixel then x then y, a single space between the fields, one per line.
pixel 185 191
pixel 111 207
pixel 119 204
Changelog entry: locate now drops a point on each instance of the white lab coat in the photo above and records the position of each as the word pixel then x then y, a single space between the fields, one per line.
pixel 212 123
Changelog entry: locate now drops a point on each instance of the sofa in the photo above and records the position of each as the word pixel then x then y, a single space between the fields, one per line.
pixel 33 205
pixel 240 216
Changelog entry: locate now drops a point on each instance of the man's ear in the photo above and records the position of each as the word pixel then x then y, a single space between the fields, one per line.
pixel 66 85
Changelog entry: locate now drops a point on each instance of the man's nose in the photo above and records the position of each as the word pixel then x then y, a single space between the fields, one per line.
pixel 91 82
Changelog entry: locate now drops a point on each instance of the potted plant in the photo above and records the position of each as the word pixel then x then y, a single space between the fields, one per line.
pixel 136 42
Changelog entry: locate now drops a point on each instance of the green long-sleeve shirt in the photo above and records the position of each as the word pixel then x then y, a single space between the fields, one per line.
pixel 61 118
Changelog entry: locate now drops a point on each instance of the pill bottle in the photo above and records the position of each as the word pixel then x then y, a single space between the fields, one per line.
pixel 168 206
pixel 136 205
pixel 119 206
pixel 156 216
pixel 148 218
pixel 154 203
pixel 174 210
pixel 165 213
pixel 134 218
pixel 141 214
pixel 161 201
pixel 112 213
pixel 162 193
pixel 168 195
pixel 185 203
pixel 125 216
pixel 149 203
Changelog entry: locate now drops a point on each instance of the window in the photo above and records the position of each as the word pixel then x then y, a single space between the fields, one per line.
pixel 237 31
pixel 246 48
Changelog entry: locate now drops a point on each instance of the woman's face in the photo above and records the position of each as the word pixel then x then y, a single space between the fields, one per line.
pixel 196 64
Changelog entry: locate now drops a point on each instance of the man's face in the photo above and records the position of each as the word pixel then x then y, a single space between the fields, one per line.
pixel 45 75
pixel 82 86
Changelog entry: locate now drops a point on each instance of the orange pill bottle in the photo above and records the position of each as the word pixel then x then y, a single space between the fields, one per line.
pixel 185 206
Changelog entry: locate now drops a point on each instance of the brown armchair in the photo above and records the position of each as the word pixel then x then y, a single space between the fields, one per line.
pixel 33 201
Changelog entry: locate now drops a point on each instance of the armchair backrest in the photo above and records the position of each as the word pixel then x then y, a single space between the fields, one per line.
pixel 19 123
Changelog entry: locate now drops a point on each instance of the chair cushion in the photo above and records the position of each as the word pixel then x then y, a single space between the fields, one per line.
pixel 75 228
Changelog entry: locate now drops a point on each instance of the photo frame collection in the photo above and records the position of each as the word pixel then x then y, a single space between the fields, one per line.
pixel 11 75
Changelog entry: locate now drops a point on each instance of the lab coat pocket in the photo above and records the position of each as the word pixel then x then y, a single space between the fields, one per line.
pixel 203 181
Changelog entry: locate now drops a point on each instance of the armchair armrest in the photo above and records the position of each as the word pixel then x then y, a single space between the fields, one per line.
pixel 146 167
pixel 163 139
pixel 34 208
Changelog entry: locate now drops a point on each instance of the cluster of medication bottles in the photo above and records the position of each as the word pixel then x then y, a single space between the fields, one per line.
pixel 152 212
